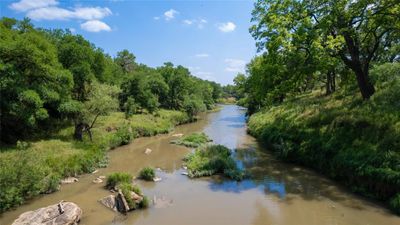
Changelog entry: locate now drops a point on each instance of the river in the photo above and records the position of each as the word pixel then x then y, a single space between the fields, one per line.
pixel 277 193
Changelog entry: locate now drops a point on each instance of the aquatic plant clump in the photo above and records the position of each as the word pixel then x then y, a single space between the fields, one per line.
pixel 147 173
pixel 117 178
pixel 134 197
pixel 194 140
pixel 212 160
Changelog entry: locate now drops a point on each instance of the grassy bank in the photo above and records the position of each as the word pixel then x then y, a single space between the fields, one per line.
pixel 353 141
pixel 30 169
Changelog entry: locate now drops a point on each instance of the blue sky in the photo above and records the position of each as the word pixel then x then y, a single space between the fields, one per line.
pixel 211 38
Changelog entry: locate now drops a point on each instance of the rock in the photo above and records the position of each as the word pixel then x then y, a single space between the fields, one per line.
pixel 109 202
pixel 50 215
pixel 102 177
pixel 184 167
pixel 95 171
pixel 97 181
pixel 118 203
pixel 185 173
pixel 177 135
pixel 157 179
pixel 161 202
pixel 121 203
pixel 147 151
pixel 137 198
pixel 69 180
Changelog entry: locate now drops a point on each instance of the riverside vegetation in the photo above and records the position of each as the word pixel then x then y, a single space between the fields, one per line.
pixel 208 159
pixel 325 93
pixel 64 103
pixel 193 140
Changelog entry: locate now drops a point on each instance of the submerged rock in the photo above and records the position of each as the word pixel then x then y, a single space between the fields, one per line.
pixel 69 180
pixel 147 151
pixel 185 173
pixel 63 213
pixel 97 180
pixel 157 179
pixel 161 202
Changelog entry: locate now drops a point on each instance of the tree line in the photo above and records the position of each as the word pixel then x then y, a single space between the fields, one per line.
pixel 52 78
pixel 307 45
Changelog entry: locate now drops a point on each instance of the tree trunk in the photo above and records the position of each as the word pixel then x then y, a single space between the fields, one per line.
pixel 330 82
pixel 359 67
pixel 365 85
pixel 78 134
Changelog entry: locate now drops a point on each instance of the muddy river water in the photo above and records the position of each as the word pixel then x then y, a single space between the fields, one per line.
pixel 278 193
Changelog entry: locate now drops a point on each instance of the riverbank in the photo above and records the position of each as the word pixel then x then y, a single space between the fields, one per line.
pixel 352 141
pixel 33 168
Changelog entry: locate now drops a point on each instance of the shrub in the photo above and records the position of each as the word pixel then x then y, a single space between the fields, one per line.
pixel 193 140
pixel 147 173
pixel 395 203
pixel 117 178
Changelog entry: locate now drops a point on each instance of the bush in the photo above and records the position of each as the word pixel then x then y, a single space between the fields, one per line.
pixel 147 173
pixel 117 178
pixel 395 203
pixel 211 160
pixel 193 140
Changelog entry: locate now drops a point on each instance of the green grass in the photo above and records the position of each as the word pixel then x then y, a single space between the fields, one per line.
pixel 36 167
pixel 193 140
pixel 353 141
pixel 147 173
pixel 211 160
pixel 116 178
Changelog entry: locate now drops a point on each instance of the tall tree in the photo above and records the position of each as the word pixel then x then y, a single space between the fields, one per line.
pixel 32 82
pixel 125 60
pixel 355 30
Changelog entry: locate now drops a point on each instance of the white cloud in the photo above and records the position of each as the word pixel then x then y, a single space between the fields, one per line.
pixel 56 13
pixel 73 30
pixel 200 22
pixel 26 5
pixel 188 22
pixel 202 55
pixel 235 65
pixel 170 14
pixel 156 18
pixel 226 27
pixel 95 26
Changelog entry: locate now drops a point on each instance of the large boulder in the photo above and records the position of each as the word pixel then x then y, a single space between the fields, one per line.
pixel 63 213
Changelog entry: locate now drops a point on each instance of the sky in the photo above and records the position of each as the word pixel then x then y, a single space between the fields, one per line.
pixel 211 38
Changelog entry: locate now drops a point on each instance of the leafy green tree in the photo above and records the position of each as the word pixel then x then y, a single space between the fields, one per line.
pixel 32 83
pixel 192 105
pixel 126 61
pixel 102 99
pixel 177 79
pixel 355 31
